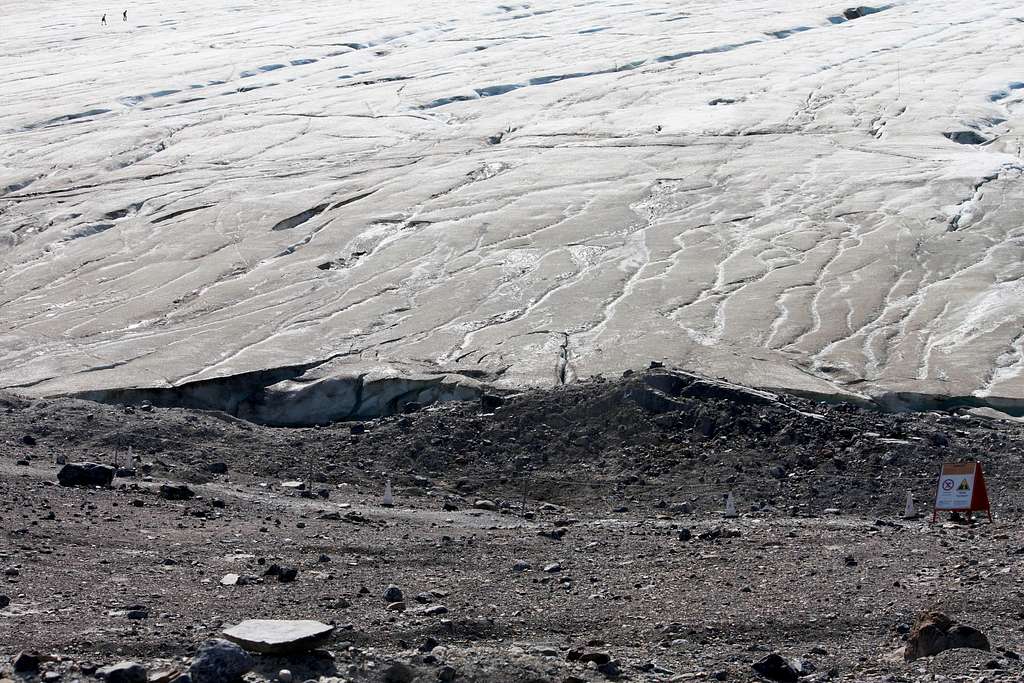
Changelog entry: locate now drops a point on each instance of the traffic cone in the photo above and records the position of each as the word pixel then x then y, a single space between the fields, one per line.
pixel 389 500
pixel 730 506
pixel 910 512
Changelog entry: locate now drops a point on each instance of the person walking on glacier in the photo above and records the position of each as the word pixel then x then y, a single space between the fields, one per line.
pixel 103 20
pixel 124 16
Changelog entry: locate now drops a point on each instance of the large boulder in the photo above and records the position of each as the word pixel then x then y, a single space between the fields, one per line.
pixel 85 474
pixel 935 632
pixel 279 636
pixel 219 661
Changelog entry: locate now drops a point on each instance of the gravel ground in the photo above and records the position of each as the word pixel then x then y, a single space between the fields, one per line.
pixel 820 565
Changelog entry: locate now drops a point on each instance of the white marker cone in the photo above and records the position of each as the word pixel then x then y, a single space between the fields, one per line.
pixel 389 500
pixel 730 506
pixel 910 512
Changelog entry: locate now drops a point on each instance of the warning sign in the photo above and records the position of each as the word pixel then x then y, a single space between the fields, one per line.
pixel 961 488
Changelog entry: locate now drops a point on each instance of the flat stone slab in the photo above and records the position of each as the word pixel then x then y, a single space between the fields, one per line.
pixel 279 636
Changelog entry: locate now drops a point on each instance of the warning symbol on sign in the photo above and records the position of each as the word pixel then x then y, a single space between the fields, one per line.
pixel 961 487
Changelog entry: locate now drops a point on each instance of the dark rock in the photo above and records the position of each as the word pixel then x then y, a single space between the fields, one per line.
pixel 610 669
pixel 176 492
pixel 777 668
pixel 554 534
pixel 287 573
pixel 123 672
pixel 4 601
pixel 967 636
pixel 26 661
pixel 393 594
pixel 85 474
pixel 434 610
pixel 219 661
pixel 355 518
pixel 28 440
pixel 446 674
pixel 685 535
pixel 399 673
pixel 217 468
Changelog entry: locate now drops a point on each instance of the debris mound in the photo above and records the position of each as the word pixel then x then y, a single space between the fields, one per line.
pixel 934 632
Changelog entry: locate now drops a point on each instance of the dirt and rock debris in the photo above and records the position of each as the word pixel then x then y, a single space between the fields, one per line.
pixel 571 534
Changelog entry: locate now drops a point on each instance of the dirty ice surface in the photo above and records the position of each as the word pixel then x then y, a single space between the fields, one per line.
pixel 313 194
